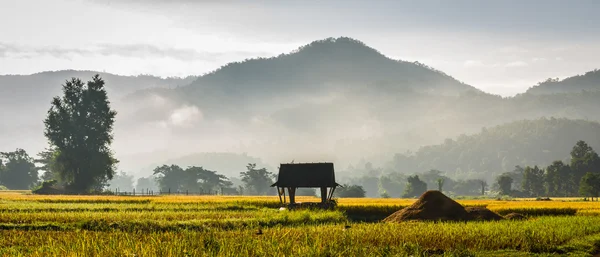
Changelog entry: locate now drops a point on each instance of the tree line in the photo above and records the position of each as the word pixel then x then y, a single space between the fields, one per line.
pixel 499 149
pixel 580 177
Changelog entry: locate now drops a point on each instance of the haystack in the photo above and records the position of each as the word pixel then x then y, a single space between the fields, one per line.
pixel 433 206
pixel 482 213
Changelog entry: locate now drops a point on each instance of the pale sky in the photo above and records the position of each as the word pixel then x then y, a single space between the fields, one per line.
pixel 502 47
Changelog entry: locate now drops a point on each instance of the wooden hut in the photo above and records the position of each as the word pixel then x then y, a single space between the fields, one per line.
pixel 308 175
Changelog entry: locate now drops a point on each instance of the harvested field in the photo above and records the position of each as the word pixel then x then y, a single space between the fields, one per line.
pixel 33 225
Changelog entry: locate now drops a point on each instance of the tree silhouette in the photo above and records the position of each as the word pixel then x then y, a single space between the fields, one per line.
pixel 79 125
pixel 504 182
pixel 257 180
pixel 414 187
pixel 17 170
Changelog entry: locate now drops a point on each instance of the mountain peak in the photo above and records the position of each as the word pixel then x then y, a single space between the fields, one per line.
pixel 341 47
pixel 341 62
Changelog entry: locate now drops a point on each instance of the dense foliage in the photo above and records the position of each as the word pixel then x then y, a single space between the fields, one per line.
pixel 498 149
pixel 79 125
pixel 17 170
pixel 580 177
pixel 414 187
pixel 257 181
pixel 350 191
pixel 192 179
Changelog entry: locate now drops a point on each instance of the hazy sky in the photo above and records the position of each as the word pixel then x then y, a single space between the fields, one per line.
pixel 502 47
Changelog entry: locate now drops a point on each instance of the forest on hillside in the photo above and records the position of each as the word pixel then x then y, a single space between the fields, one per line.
pixel 499 149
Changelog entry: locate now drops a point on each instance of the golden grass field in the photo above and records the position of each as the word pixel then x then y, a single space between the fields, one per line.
pixel 36 225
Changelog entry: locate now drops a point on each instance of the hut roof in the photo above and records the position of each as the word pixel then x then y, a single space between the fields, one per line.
pixel 306 175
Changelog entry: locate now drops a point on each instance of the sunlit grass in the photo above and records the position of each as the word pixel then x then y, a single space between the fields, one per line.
pixel 176 225
pixel 542 235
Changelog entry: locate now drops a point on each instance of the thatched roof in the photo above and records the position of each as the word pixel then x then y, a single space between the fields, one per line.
pixel 306 175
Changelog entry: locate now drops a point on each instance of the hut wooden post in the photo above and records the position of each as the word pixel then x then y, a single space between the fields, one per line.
pixel 323 194
pixel 292 191
pixel 330 194
pixel 279 194
pixel 283 189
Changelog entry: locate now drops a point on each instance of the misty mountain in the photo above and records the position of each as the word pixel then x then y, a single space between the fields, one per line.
pixel 32 89
pixel 590 81
pixel 499 149
pixel 332 100
pixel 339 63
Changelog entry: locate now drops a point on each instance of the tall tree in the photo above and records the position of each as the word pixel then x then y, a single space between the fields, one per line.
pixel 583 160
pixel 79 125
pixel 590 185
pixel 560 180
pixel 19 171
pixel 504 182
pixel 414 187
pixel 533 181
pixel 257 180
pixel 170 178
pixel 208 180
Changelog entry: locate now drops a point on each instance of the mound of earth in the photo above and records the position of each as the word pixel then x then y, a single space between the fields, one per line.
pixel 433 206
pixel 515 216
pixel 482 213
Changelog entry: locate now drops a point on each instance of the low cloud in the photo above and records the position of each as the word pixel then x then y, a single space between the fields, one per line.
pixel 125 50
pixel 185 116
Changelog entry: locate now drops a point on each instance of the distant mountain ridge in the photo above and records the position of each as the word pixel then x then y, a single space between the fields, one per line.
pixel 327 62
pixel 334 98
pixel 590 81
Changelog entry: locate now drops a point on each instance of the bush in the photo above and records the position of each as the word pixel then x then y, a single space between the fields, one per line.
pixel 352 191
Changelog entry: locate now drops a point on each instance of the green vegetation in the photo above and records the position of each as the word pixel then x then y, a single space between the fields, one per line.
pixel 176 226
pixel 17 170
pixel 581 177
pixel 79 127
pixel 499 149
pixel 194 179
pixel 353 191
pixel 414 187
pixel 257 181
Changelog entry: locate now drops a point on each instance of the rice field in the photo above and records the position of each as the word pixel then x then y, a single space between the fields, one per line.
pixel 34 225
